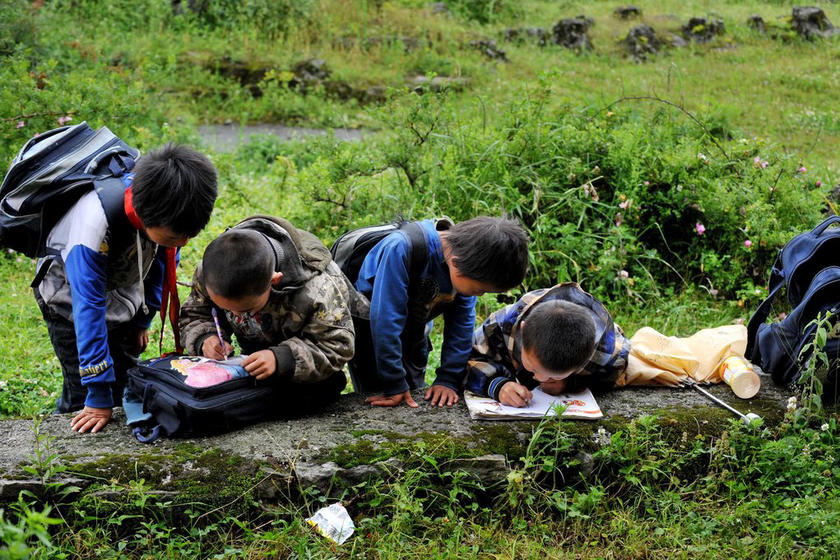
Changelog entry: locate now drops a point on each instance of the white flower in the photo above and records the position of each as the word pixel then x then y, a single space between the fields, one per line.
pixel 824 427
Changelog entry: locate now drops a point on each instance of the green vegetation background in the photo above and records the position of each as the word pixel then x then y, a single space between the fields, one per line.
pixel 673 222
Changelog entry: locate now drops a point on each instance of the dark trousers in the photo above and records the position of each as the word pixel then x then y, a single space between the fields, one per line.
pixel 299 399
pixel 363 372
pixel 121 343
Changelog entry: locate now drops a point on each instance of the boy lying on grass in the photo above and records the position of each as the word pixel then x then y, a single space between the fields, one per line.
pixel 561 339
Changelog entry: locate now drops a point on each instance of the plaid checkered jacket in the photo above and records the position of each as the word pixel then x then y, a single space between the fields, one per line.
pixel 497 345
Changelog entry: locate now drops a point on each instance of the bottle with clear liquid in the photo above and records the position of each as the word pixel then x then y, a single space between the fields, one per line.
pixel 738 374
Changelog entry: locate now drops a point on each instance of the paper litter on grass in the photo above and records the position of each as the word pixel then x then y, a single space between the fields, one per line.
pixel 333 522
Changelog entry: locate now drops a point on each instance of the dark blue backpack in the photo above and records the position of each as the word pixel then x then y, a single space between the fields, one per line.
pixel 159 401
pixel 50 173
pixel 808 267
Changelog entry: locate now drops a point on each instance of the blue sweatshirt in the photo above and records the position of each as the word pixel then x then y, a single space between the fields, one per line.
pixel 383 278
pixel 98 289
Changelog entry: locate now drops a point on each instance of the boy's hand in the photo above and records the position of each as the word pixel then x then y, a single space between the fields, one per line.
pixel 514 394
pixel 260 364
pixel 553 386
pixel 212 348
pixel 93 419
pixel 438 395
pixel 392 400
pixel 141 340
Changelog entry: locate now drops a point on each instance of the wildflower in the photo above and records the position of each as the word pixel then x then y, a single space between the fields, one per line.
pixel 818 183
pixel 64 119
pixel 610 113
pixel 802 169
pixel 763 164
pixel 618 219
pixel 21 124
pixel 747 243
pixel 824 427
pixel 700 228
pixel 702 157
pixel 11 251
pixel 806 450
pixel 624 205
pixel 791 406
pixel 647 183
pixel 3 384
pixel 623 274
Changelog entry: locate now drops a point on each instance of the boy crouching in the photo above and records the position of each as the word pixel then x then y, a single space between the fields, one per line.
pixel 278 291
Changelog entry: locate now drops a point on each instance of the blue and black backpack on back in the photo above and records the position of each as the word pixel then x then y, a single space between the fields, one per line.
pixel 808 267
pixel 51 172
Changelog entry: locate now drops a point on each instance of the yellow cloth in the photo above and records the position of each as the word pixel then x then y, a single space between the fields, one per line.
pixel 656 359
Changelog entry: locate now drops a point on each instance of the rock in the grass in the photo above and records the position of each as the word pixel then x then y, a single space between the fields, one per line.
pixel 487 468
pixel 488 48
pixel 573 33
pixel 439 8
pixel 756 22
pixel 539 35
pixel 811 22
pixel 627 12
pixel 642 41
pixel 309 72
pixel 703 30
pixel 422 83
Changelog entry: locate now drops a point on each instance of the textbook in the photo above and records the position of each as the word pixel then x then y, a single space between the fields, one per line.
pixel 580 405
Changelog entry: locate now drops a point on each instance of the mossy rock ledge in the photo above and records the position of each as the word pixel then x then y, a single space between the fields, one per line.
pixel 344 444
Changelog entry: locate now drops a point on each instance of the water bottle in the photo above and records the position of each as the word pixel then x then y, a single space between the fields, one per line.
pixel 738 374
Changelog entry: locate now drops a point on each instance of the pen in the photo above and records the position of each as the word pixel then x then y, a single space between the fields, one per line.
pixel 218 329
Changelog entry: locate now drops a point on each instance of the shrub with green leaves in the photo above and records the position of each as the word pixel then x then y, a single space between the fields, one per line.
pixel 627 202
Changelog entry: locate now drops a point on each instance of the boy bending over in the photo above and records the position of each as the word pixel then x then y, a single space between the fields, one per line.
pixel 561 339
pixel 278 290
pixel 99 293
pixel 463 261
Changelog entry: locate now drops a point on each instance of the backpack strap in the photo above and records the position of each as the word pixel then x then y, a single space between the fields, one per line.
pixel 777 280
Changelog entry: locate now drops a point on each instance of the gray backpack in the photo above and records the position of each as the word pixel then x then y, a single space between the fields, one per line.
pixel 50 173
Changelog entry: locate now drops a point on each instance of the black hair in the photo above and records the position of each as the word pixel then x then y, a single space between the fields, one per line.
pixel 493 251
pixel 239 263
pixel 560 334
pixel 175 187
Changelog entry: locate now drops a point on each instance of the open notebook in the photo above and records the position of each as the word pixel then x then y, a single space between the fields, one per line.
pixel 579 406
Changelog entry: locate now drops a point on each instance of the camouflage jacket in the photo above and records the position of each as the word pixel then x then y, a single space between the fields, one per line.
pixel 309 312
pixel 497 345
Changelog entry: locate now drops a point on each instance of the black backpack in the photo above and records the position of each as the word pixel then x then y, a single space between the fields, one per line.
pixel 181 410
pixel 50 173
pixel 349 250
pixel 808 267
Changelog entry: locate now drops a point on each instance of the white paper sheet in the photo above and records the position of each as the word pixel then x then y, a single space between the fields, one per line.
pixel 579 406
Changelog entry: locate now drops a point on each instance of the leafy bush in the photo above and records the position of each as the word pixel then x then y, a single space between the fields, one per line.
pixel 628 203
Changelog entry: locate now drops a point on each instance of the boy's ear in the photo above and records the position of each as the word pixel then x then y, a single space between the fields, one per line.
pixel 276 277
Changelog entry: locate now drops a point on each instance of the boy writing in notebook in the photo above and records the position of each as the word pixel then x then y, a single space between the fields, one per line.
pixel 560 339
pixel 276 288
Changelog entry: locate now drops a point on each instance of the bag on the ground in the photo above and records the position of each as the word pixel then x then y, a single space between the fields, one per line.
pixel 808 268
pixel 50 173
pixel 183 396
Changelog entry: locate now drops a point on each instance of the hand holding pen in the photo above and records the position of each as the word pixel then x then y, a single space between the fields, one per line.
pixel 215 347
